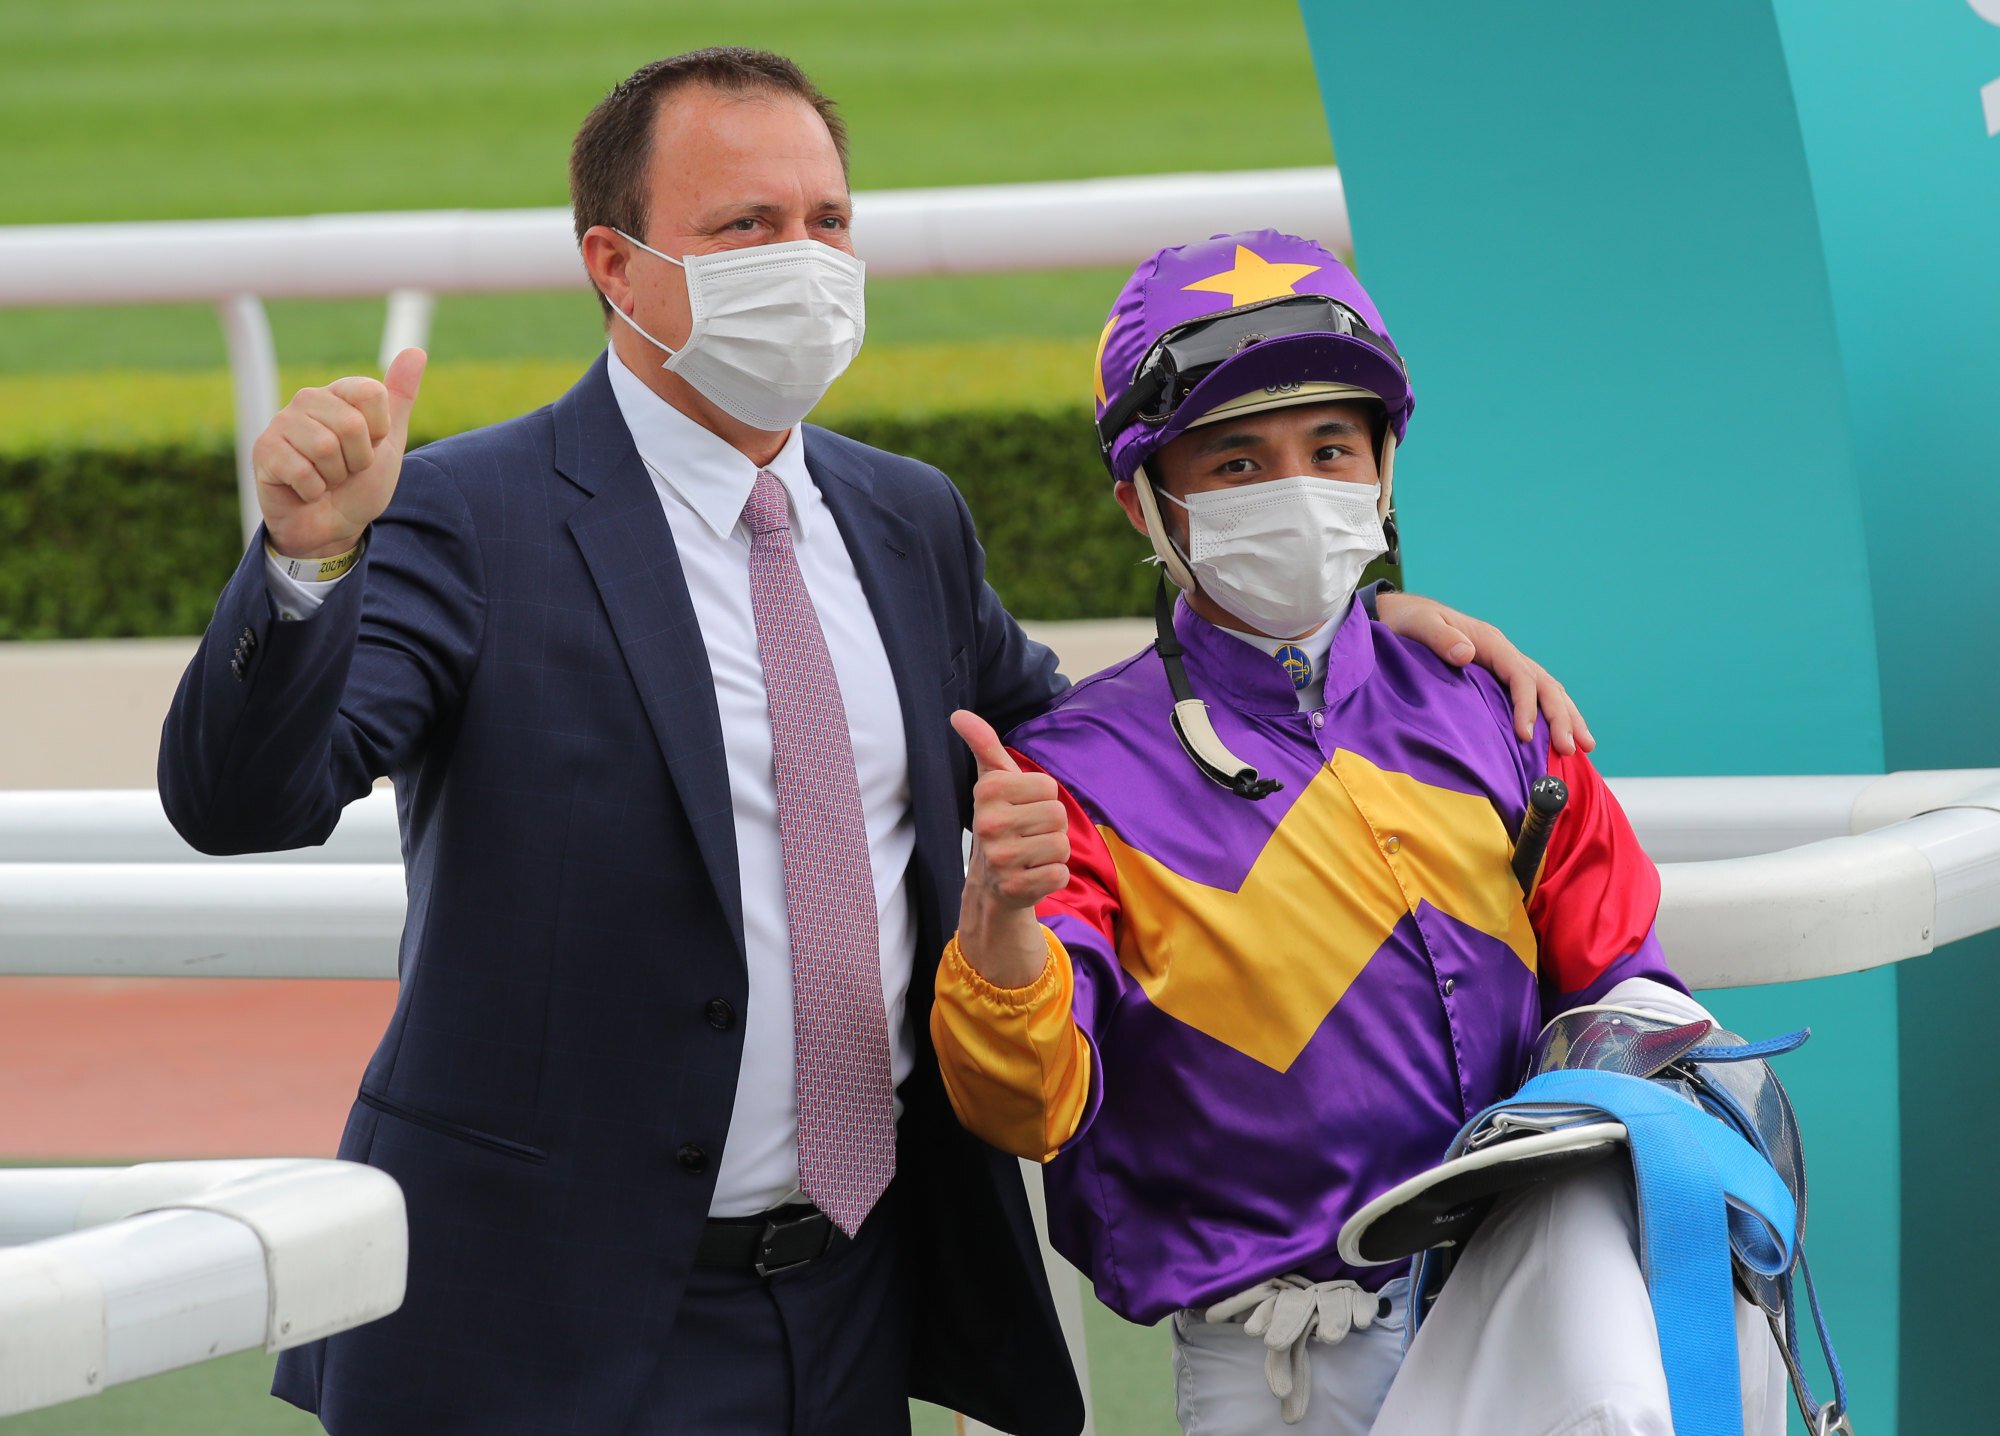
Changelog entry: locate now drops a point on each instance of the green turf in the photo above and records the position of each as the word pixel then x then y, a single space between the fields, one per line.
pixel 226 1397
pixel 1132 1387
pixel 130 109
pixel 114 409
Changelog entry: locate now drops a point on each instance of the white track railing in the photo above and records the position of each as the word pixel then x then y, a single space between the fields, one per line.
pixel 236 264
pixel 1891 867
pixel 1689 820
pixel 1680 820
pixel 1838 906
pixel 1818 876
pixel 111 1274
pixel 127 825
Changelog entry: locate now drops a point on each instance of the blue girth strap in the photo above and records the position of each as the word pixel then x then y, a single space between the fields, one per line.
pixel 1703 1193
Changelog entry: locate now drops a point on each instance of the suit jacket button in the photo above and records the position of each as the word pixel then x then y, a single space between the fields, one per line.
pixel 692 1159
pixel 720 1015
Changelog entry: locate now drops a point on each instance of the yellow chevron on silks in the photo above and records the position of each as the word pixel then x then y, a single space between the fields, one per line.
pixel 1259 968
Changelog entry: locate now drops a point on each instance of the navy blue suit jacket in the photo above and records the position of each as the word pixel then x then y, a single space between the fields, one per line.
pixel 518 652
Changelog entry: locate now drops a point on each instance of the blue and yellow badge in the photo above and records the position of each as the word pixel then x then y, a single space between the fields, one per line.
pixel 1297 664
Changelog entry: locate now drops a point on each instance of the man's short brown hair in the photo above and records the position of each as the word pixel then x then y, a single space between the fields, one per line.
pixel 607 163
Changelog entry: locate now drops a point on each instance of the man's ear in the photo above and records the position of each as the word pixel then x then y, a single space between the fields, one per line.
pixel 605 259
pixel 1127 494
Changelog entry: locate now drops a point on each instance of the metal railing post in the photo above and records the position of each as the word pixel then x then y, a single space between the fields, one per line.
pixel 407 325
pixel 253 374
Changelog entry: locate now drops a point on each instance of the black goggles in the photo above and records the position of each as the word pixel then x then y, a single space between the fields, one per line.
pixel 1188 353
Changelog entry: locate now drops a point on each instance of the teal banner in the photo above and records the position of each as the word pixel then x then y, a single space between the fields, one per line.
pixel 1702 308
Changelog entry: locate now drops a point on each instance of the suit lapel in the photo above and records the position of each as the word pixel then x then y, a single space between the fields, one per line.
pixel 629 548
pixel 885 548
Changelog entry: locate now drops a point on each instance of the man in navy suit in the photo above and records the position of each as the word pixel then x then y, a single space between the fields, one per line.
pixel 661 676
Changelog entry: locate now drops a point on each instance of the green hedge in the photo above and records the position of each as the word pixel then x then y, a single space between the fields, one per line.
pixel 115 544
pixel 101 543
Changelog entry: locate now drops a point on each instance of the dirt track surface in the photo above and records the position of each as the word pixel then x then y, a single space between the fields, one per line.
pixel 121 1069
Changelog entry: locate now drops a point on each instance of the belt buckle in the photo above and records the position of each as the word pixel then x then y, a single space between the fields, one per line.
pixel 775 1230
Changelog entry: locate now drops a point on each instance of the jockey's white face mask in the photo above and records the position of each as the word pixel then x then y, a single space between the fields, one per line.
pixel 1283 555
pixel 773 326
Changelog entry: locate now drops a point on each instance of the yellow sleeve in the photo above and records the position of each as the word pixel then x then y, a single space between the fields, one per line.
pixel 1015 1066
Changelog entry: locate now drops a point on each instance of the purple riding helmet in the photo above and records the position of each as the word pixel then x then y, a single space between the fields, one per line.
pixel 1232 325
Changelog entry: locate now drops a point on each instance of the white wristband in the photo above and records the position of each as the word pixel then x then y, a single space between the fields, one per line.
pixel 315 570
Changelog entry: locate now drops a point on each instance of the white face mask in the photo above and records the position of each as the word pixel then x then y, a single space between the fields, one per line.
pixel 774 326
pixel 1283 555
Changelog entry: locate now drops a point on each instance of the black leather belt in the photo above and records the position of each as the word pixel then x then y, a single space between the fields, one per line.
pixel 771 1242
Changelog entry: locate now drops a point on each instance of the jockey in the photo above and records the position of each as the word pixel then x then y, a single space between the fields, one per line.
pixel 1241 947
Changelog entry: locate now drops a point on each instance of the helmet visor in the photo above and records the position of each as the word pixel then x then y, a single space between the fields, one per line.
pixel 1185 355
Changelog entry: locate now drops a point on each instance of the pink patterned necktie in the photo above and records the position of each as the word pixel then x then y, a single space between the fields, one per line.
pixel 847 1123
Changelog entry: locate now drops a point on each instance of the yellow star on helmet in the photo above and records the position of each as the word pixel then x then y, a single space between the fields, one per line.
pixel 1254 278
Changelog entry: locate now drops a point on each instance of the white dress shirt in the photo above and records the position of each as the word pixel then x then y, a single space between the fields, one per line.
pixel 703 484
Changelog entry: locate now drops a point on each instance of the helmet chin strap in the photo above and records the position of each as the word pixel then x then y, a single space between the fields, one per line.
pixel 1386 504
pixel 1190 719
pixel 1170 558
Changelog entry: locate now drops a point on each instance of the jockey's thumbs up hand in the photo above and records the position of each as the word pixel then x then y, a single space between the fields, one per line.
pixel 1020 854
pixel 1020 838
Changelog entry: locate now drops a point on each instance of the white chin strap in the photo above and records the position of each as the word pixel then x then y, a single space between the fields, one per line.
pixel 1178 572
pixel 1387 503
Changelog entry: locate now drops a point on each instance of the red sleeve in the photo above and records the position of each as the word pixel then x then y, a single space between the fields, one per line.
pixel 1598 893
pixel 1092 895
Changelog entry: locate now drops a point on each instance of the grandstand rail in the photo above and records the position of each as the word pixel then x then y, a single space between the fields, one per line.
pixel 411 257
pixel 1679 820
pixel 1889 868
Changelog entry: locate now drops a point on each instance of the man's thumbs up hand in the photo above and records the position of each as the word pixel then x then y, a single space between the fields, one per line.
pixel 1020 838
pixel 327 466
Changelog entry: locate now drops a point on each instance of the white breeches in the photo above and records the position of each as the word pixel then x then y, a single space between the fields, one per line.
pixel 1544 1329
pixel 1220 1386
